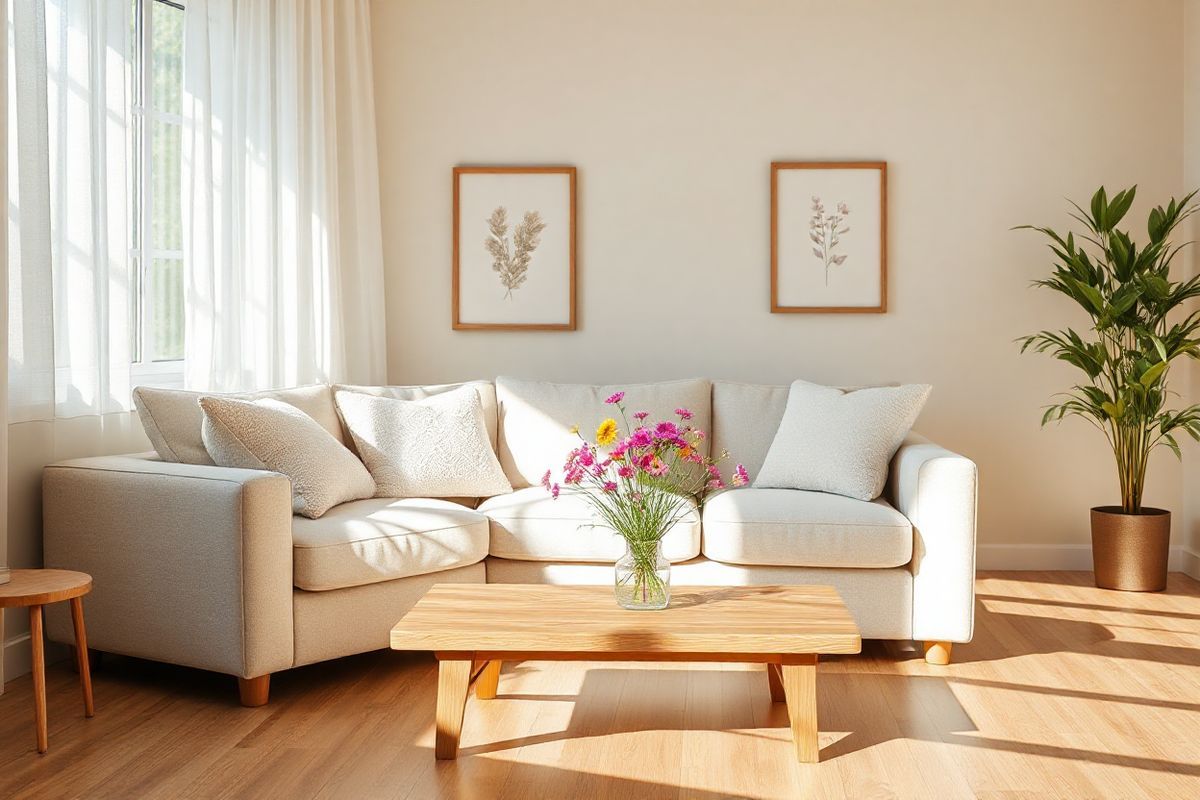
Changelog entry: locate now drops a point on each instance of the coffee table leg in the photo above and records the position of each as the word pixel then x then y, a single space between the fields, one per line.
pixel 488 680
pixel 39 677
pixel 776 683
pixel 454 681
pixel 800 685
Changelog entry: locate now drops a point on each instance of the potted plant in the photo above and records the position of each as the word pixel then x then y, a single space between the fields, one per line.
pixel 1126 356
pixel 640 481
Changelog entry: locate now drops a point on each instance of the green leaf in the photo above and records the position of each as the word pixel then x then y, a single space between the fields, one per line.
pixel 1152 374
pixel 1099 205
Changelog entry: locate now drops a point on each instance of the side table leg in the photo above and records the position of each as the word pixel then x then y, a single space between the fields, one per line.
pixel 800 685
pixel 454 681
pixel 81 655
pixel 39 677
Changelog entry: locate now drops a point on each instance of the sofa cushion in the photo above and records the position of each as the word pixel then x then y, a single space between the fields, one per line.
pixel 486 390
pixel 529 525
pixel 838 441
pixel 745 417
pixel 368 541
pixel 272 435
pixel 436 447
pixel 536 417
pixel 173 419
pixel 792 528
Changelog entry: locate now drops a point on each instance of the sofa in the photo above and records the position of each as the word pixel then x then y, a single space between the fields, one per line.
pixel 207 567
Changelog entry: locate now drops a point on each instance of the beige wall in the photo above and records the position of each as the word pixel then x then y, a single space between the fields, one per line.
pixel 988 114
pixel 1190 521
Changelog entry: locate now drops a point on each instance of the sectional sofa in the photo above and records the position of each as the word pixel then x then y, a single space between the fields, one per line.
pixel 207 567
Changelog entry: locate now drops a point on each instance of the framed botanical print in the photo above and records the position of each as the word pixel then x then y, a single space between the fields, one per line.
pixel 514 248
pixel 829 237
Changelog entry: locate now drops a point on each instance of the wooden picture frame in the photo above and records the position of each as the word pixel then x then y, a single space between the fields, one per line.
pixel 548 301
pixel 792 284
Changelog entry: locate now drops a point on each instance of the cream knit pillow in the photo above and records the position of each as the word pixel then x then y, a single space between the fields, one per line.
pixel 272 435
pixel 435 447
pixel 840 442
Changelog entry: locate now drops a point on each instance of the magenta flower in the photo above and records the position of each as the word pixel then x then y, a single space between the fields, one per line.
pixel 625 471
pixel 714 471
pixel 684 413
pixel 619 449
pixel 615 398
pixel 554 492
pixel 641 415
pixel 546 479
pixel 657 467
pixel 666 430
pixel 714 484
pixel 641 438
pixel 610 486
pixel 740 476
pixel 586 457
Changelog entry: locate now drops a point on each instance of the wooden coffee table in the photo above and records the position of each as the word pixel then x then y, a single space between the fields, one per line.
pixel 784 627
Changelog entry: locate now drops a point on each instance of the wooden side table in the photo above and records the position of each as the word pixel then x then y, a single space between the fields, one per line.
pixel 34 588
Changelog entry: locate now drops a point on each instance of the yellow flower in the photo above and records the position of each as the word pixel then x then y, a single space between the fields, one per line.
pixel 685 451
pixel 606 434
pixel 574 429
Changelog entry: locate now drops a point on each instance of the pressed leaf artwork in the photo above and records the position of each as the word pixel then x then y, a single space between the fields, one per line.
pixel 825 231
pixel 510 260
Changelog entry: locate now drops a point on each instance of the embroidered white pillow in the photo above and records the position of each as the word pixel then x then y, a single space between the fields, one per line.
pixel 435 447
pixel 840 442
pixel 273 435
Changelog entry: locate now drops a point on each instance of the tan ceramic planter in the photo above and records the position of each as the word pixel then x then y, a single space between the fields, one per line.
pixel 1129 551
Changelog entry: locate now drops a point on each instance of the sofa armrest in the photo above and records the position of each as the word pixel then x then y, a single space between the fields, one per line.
pixel 191 564
pixel 937 490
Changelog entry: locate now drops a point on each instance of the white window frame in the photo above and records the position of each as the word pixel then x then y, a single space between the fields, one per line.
pixel 146 368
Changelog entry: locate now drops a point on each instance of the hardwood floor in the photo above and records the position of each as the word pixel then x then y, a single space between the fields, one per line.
pixel 1066 691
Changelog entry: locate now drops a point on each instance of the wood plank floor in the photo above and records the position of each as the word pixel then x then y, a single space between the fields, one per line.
pixel 1066 691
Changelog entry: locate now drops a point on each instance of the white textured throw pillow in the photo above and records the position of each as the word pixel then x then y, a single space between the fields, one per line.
pixel 435 447
pixel 272 435
pixel 840 442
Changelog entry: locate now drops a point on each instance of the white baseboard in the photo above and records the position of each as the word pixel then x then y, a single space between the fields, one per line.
pixel 18 658
pixel 1066 557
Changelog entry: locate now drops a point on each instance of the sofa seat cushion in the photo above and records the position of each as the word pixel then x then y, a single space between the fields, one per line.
pixel 793 528
pixel 529 525
pixel 381 539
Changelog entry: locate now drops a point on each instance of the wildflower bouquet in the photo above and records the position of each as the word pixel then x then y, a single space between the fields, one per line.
pixel 641 479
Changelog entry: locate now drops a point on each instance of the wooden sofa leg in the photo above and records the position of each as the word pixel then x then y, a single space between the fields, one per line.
pixel 938 653
pixel 254 691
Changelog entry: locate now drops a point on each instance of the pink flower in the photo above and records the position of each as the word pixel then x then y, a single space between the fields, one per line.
pixel 625 471
pixel 641 438
pixel 546 479
pixel 641 415
pixel 573 476
pixel 619 449
pixel 714 471
pixel 657 467
pixel 667 430
pixel 615 398
pixel 740 476
pixel 554 492
pixel 586 457
pixel 714 484
pixel 610 486
pixel 699 434
pixel 684 413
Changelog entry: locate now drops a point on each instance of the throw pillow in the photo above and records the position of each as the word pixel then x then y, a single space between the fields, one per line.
pixel 273 435
pixel 841 442
pixel 435 447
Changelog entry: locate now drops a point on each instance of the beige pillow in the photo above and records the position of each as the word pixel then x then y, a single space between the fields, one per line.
pixel 840 442
pixel 435 447
pixel 273 435
pixel 172 417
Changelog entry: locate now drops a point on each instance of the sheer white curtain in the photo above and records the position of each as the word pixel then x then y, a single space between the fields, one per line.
pixel 282 241
pixel 68 245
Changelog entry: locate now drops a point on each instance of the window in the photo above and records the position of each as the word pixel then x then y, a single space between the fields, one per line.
pixel 156 256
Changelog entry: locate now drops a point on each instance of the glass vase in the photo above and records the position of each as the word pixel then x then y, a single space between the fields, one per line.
pixel 643 577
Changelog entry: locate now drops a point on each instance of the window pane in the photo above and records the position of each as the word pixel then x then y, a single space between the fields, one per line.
pixel 166 330
pixel 167 67
pixel 166 172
